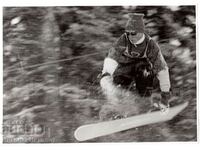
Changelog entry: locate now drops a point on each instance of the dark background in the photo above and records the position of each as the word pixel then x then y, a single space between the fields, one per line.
pixel 62 95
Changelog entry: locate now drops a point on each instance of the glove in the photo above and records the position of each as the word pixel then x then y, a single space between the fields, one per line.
pixel 161 101
pixel 165 96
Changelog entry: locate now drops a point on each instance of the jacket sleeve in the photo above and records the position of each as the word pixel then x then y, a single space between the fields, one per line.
pixel 111 61
pixel 109 66
pixel 117 50
pixel 160 67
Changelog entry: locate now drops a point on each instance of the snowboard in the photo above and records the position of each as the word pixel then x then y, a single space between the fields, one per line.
pixel 90 131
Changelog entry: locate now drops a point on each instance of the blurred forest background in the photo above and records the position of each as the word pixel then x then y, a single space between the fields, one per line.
pixel 53 55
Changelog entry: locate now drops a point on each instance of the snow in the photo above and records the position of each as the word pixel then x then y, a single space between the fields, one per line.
pixel 15 20
pixel 191 18
pixel 184 55
pixel 151 12
pixel 175 42
pixel 185 31
pixel 174 8
pixel 13 59
pixel 8 47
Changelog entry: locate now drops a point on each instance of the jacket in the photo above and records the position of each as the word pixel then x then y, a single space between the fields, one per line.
pixel 124 53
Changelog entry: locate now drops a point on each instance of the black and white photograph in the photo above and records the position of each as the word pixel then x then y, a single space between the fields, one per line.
pixel 99 74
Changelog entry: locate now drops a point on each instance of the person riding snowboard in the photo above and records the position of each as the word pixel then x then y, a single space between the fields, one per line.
pixel 135 60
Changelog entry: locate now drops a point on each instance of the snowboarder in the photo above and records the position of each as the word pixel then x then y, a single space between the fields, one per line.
pixel 136 61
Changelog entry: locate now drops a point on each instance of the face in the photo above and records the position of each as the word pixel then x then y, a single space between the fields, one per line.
pixel 133 36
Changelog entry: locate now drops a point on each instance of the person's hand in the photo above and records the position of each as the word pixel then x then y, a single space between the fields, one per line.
pixel 161 101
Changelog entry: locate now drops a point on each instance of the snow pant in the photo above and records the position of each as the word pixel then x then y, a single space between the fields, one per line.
pixel 138 76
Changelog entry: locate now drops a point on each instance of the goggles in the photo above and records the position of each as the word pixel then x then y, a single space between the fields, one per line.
pixel 131 33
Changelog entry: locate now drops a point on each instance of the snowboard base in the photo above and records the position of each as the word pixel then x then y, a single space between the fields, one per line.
pixel 91 131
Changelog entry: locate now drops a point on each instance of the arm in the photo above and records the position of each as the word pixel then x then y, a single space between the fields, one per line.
pixel 114 56
pixel 162 72
pixel 111 63
pixel 109 67
pixel 160 67
pixel 163 76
